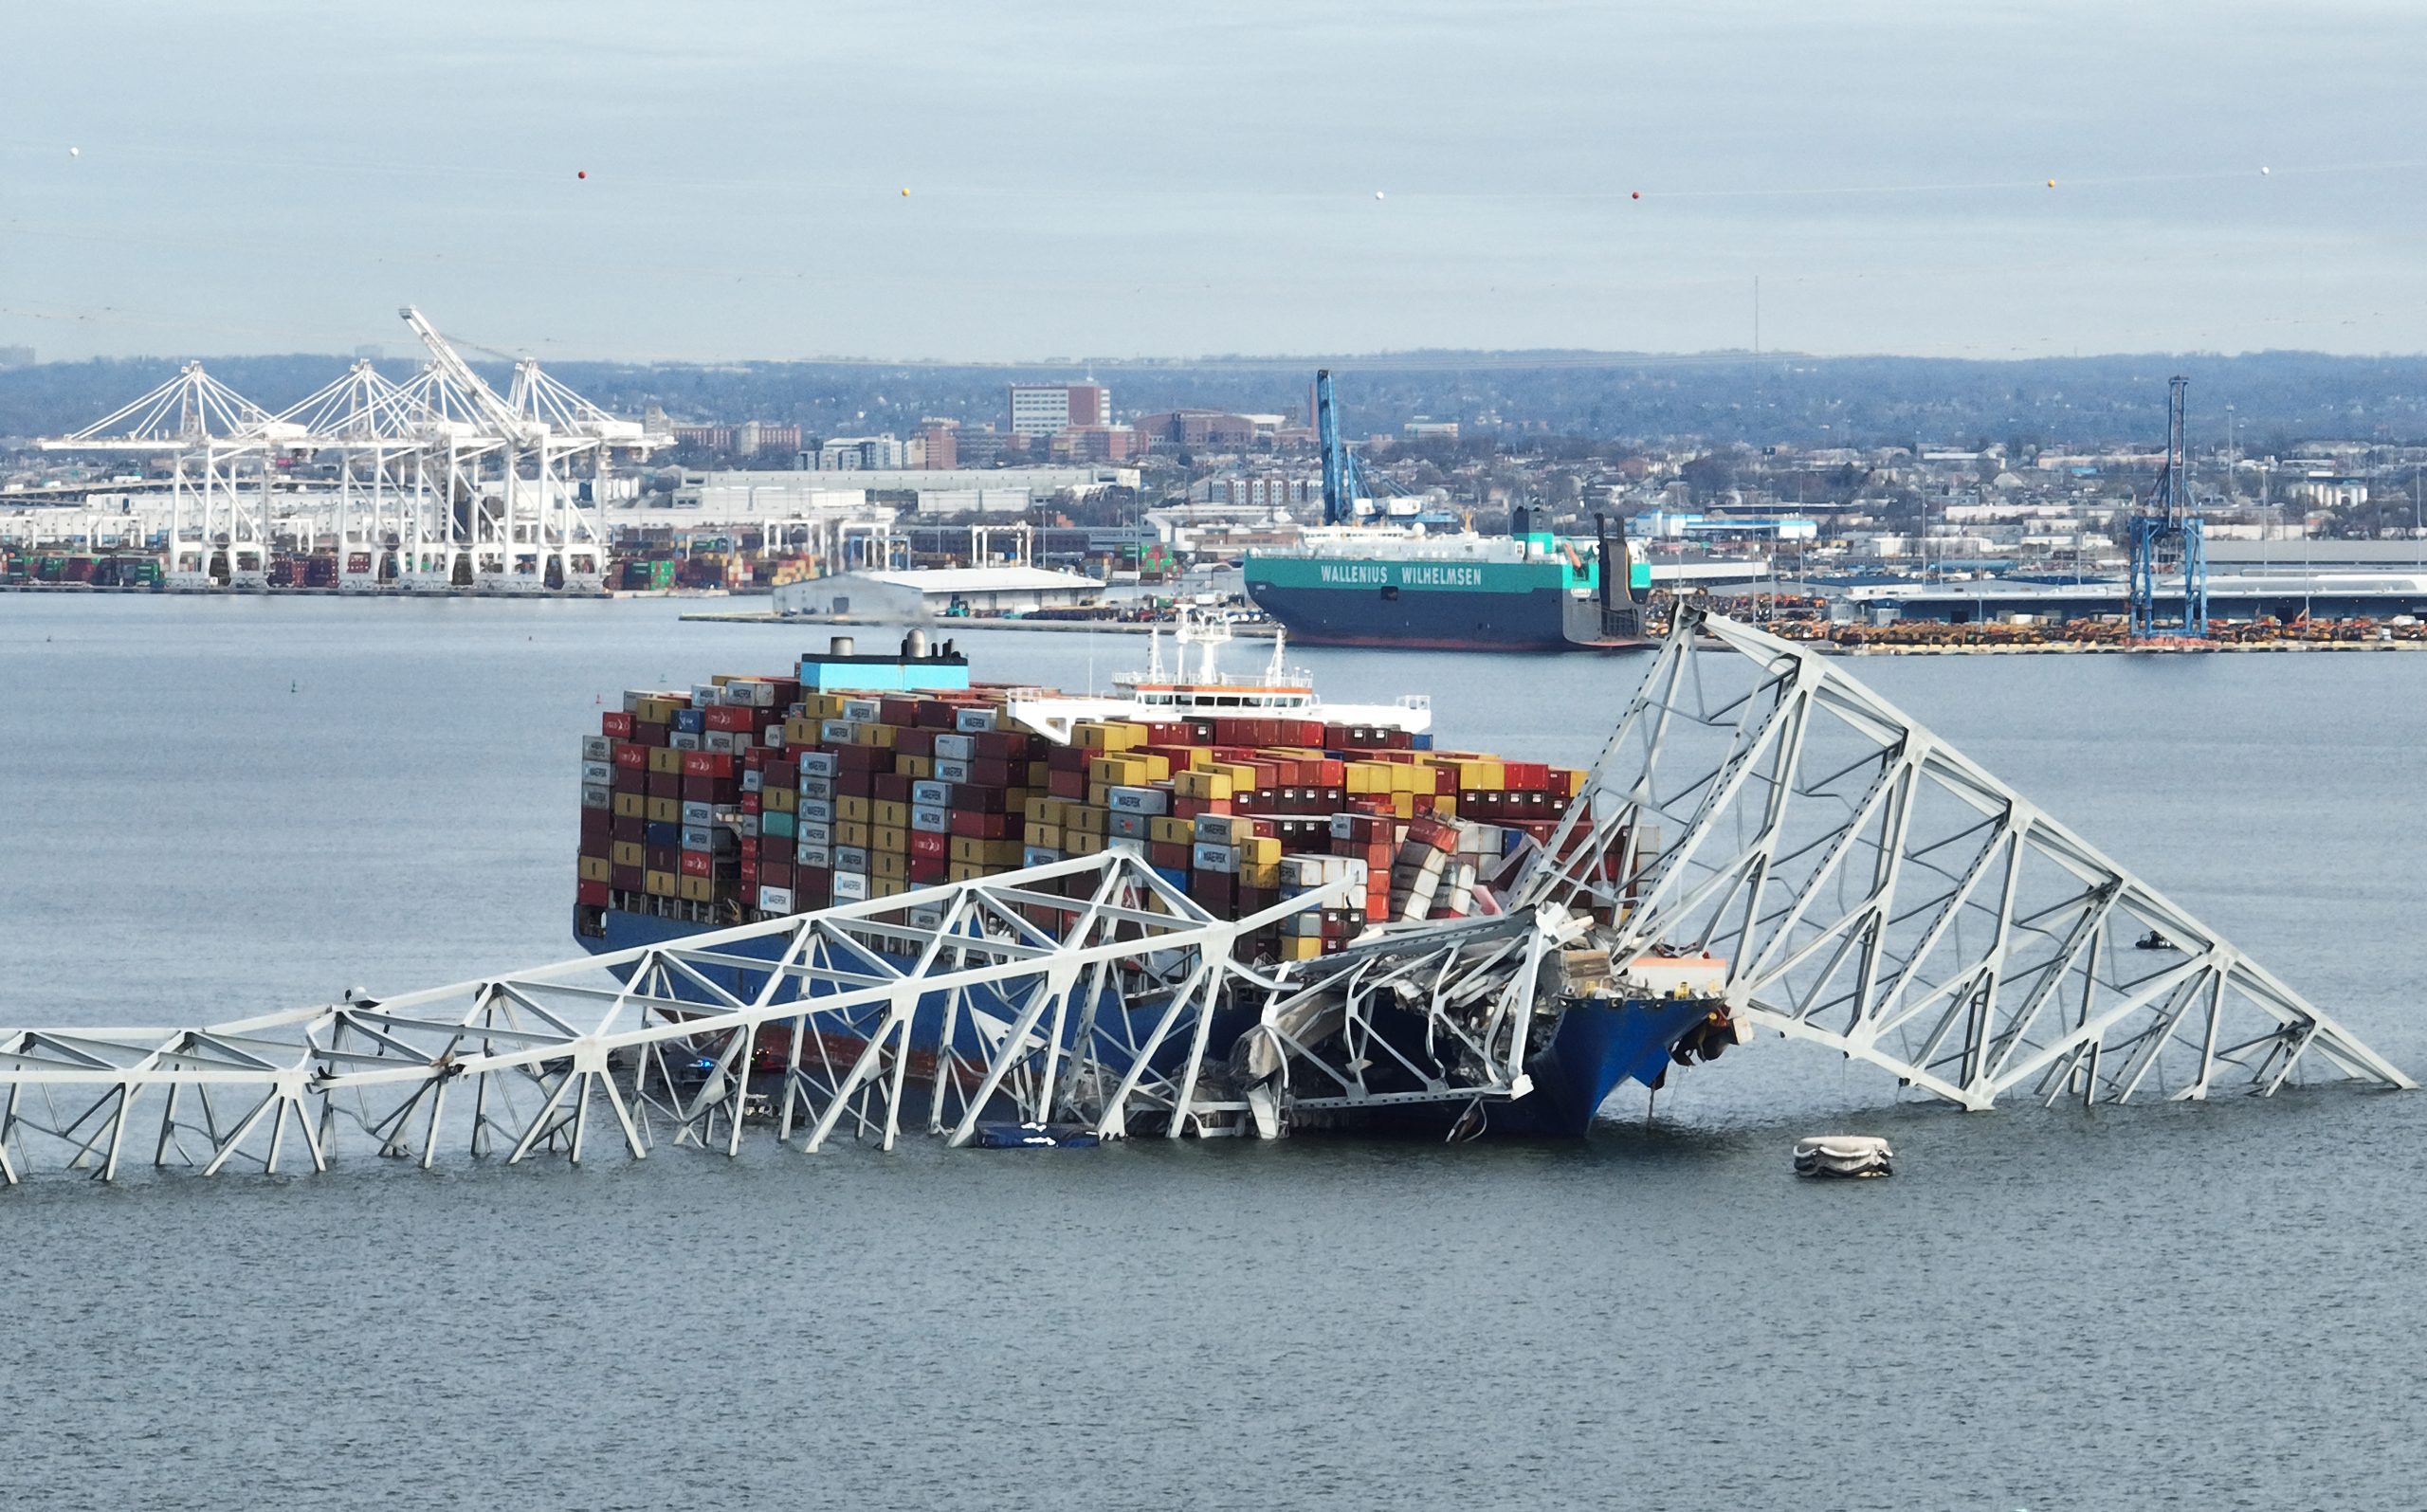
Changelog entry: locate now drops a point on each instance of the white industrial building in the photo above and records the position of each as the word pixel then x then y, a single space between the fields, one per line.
pixel 927 593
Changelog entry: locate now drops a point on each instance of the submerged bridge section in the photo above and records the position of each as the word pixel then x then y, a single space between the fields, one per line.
pixel 1867 888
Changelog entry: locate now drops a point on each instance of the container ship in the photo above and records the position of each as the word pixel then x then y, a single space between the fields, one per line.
pixel 852 776
pixel 1529 590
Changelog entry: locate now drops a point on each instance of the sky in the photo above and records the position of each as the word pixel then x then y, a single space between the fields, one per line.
pixel 1251 177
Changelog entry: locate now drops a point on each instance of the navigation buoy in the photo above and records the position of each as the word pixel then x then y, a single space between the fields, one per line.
pixel 79 152
pixel 1637 194
pixel 2051 183
pixel 2264 172
pixel 582 172
pixel 905 194
pixel 1378 194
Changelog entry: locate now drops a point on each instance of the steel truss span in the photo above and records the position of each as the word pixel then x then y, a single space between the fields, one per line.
pixel 653 1046
pixel 1876 891
pixel 1869 887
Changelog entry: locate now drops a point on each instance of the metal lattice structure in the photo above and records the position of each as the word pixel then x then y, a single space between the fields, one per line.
pixel 1037 1006
pixel 441 483
pixel 1869 889
pixel 1876 891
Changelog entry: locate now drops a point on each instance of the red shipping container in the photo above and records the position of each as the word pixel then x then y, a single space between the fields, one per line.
pixel 598 824
pixel 630 755
pixel 897 711
pixel 706 763
pixel 730 716
pixel 1068 759
pixel 891 786
pixel 979 799
pixel 698 863
pixel 617 723
pixel 974 825
pixel 813 887
pixel 855 785
pixel 749 870
pixel 750 803
pixel 925 844
pixel 1168 854
pixel 1003 745
pixel 647 734
pixel 625 878
pixel 775 874
pixel 1066 783
pixel 925 869
pixel 666 784
pixel 631 827
pixel 914 741
pixel 863 759
pixel 590 894
pixel 934 713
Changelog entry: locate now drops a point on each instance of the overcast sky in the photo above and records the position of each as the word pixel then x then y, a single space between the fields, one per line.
pixel 1194 179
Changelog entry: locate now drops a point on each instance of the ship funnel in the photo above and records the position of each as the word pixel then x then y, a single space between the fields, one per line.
pixel 914 644
pixel 841 646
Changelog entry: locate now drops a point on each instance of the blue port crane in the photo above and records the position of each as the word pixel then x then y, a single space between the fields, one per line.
pixel 2168 526
pixel 1341 485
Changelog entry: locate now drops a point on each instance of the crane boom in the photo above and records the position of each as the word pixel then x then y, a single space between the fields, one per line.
pixel 459 373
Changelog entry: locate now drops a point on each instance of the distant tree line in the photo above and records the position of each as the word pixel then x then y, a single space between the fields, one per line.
pixel 1580 400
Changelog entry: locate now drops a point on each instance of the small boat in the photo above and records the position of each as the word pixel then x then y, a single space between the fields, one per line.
pixel 1843 1155
pixel 2153 941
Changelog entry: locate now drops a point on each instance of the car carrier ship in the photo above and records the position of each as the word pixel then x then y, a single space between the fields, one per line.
pixel 851 776
pixel 1362 581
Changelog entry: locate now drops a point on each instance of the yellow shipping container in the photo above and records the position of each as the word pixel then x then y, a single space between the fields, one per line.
pixel 1004 853
pixel 890 814
pixel 1260 873
pixel 855 808
pixel 1169 831
pixel 917 768
pixel 821 706
pixel 968 849
pixel 853 832
pixel 665 759
pixel 963 871
pixel 779 800
pixel 890 838
pixel 1081 844
pixel 1404 804
pixel 658 883
pixel 1048 835
pixel 1301 947
pixel 1260 850
pixel 695 889
pixel 665 810
pixel 629 853
pixel 630 806
pixel 593 868
pixel 658 711
pixel 1206 781
pixel 800 731
pixel 875 734
pixel 1084 819
pixel 887 886
pixel 888 864
pixel 1045 810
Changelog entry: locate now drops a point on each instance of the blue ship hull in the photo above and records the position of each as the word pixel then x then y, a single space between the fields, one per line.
pixel 1596 1046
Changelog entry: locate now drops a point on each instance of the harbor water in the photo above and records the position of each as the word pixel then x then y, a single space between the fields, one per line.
pixel 213 807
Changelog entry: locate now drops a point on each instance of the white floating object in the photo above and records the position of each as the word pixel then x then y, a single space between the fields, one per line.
pixel 1378 194
pixel 2264 172
pixel 1843 1155
pixel 75 152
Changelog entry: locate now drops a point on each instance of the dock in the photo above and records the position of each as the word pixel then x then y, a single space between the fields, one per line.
pixel 971 622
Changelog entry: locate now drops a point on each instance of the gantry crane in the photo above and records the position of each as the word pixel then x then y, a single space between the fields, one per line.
pixel 2169 525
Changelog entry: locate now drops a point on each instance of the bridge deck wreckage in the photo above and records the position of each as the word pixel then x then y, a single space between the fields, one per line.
pixel 1870 888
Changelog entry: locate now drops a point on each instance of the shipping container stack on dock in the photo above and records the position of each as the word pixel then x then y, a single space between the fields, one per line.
pixel 752 797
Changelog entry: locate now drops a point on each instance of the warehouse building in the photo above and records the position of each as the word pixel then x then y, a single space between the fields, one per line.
pixel 928 593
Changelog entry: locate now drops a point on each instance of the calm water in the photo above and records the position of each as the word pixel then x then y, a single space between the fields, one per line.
pixel 209 809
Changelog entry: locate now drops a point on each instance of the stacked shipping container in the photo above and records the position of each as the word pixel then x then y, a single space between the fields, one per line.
pixel 750 796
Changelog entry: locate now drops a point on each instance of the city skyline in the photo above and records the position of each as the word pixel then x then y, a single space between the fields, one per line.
pixel 1271 180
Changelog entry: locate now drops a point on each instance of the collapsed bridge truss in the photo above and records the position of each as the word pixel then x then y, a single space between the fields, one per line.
pixel 1869 887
